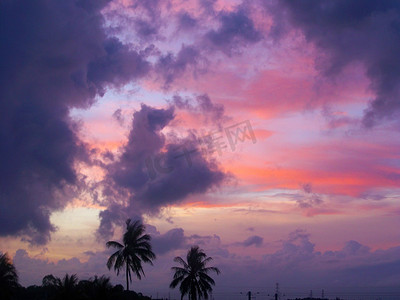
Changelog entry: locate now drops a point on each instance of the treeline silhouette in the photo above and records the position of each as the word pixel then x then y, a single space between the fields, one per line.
pixel 192 275
pixel 309 298
pixel 69 287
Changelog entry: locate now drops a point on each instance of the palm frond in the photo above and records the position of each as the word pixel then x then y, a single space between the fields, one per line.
pixel 211 269
pixel 114 244
pixel 112 259
pixel 179 260
pixel 206 279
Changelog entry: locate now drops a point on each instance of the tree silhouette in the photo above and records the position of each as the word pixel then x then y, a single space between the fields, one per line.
pixel 8 277
pixel 136 248
pixel 67 288
pixel 97 288
pixel 51 281
pixel 193 275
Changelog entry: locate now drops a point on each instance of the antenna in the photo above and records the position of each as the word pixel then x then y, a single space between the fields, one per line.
pixel 250 295
pixel 277 293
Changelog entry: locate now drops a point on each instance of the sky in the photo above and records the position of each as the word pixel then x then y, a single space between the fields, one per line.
pixel 266 132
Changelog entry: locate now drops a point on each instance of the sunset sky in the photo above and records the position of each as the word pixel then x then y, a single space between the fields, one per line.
pixel 267 132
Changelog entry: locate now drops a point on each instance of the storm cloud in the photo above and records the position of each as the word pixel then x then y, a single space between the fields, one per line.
pixel 350 32
pixel 54 56
pixel 152 173
pixel 236 29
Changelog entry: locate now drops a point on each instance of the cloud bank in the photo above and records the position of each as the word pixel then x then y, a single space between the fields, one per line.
pixel 350 32
pixel 55 56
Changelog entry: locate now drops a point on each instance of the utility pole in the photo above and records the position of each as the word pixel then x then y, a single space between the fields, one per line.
pixel 323 294
pixel 249 294
pixel 311 296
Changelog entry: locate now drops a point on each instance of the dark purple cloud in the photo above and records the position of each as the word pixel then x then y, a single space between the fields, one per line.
pixel 349 32
pixel 116 66
pixel 151 173
pixel 154 22
pixel 143 19
pixel 186 21
pixel 236 30
pixel 171 240
pixel 253 240
pixel 117 115
pixel 54 56
pixel 171 66
pixel 149 26
pixel 202 107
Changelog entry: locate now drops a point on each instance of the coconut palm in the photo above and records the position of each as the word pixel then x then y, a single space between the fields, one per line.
pixel 67 288
pixel 97 288
pixel 193 275
pixel 51 281
pixel 136 248
pixel 101 284
pixel 8 277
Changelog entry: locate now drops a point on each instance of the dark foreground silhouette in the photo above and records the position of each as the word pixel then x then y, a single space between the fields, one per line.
pixel 69 287
pixel 192 274
pixel 136 248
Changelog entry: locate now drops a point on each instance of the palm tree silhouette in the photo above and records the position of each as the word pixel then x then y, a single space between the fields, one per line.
pixel 61 289
pixel 8 277
pixel 136 248
pixel 97 288
pixel 67 288
pixel 193 276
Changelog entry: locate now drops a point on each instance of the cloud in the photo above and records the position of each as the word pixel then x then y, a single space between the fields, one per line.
pixel 151 173
pixel 116 66
pixel 171 240
pixel 32 270
pixel 306 199
pixel 186 21
pixel 309 199
pixel 55 56
pixel 202 108
pixel 117 115
pixel 236 30
pixel 346 32
pixel 355 248
pixel 253 240
pixel 295 264
pixel 171 66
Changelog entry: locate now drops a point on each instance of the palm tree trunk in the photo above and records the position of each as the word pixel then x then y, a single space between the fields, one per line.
pixel 127 277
